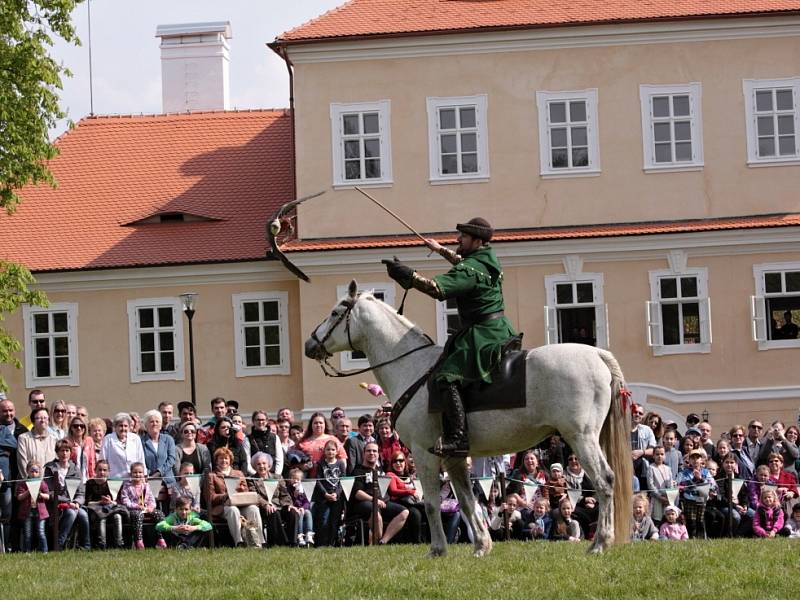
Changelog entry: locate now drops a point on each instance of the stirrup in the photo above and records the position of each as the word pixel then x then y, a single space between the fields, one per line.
pixel 455 451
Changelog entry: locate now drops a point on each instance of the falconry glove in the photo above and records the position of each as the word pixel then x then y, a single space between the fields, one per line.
pixel 402 274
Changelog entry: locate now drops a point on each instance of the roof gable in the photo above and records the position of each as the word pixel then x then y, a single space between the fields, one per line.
pixel 376 18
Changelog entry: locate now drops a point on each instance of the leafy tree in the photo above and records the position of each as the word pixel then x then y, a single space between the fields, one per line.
pixel 29 82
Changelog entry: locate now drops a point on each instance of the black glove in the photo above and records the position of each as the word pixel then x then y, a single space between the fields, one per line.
pixel 402 274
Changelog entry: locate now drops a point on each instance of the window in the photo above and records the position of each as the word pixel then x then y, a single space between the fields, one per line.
pixel 361 144
pixel 458 139
pixel 447 319
pixel 262 333
pixel 51 345
pixel 772 119
pixel 382 291
pixel 679 312
pixel 156 339
pixel 672 127
pixel 568 133
pixel 575 311
pixel 776 306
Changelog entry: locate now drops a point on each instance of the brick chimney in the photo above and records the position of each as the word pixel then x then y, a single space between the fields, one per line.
pixel 194 66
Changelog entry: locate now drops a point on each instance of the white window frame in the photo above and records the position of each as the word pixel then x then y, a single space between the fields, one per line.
pixel 543 99
pixel 646 94
pixel 388 291
pixel 481 103
pixel 749 88
pixel 758 306
pixel 655 331
pixel 137 376
pixel 28 312
pixel 603 337
pixel 442 312
pixel 383 108
pixel 238 300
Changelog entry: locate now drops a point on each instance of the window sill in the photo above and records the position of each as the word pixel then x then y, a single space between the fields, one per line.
pixel 778 344
pixel 262 371
pixel 570 174
pixel 681 349
pixel 141 378
pixel 789 162
pixel 458 179
pixel 64 381
pixel 364 184
pixel 673 168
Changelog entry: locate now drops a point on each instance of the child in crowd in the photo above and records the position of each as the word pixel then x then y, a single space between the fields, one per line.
pixel 695 483
pixel 792 528
pixel 181 488
pixel 184 527
pixel 510 508
pixel 564 527
pixel 642 527
pixel 136 496
pixel 304 530
pixel 672 528
pixel 540 522
pixel 754 488
pixel 768 520
pixel 33 515
pixel 659 478
pixel 672 456
pixel 102 506
pixel 328 496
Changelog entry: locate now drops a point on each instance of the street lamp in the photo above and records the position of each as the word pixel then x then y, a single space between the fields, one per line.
pixel 189 301
pixel 704 415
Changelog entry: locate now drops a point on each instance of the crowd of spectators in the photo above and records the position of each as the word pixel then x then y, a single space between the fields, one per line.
pixel 168 479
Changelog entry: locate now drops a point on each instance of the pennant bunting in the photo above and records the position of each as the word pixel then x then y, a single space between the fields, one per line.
pixel 347 486
pixel 703 490
pixel 736 486
pixel 155 486
pixel 194 485
pixel 308 487
pixel 72 483
pixel 271 485
pixel 418 486
pixel 383 484
pixel 574 497
pixel 33 487
pixel 114 485
pixel 231 484
pixel 530 490
pixel 672 496
pixel 486 486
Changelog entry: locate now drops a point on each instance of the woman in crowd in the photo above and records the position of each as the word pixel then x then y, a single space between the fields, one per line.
pixel 83 452
pixel 529 471
pixel 792 436
pixel 70 506
pixel 274 507
pixel 317 434
pixel 122 448
pixel 160 455
pixel 775 441
pixel 403 491
pixel 659 479
pixel 188 450
pixel 721 450
pixel 225 437
pixel 786 482
pixel 388 443
pixel 586 510
pixel 97 431
pixel 653 421
pixel 219 502
pixel 58 419
pixel 137 497
pixel 262 439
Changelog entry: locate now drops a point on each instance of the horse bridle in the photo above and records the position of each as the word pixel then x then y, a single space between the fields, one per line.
pixel 332 371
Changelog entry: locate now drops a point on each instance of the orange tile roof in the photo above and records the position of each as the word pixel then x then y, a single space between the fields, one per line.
pixel 369 18
pixel 230 168
pixel 558 233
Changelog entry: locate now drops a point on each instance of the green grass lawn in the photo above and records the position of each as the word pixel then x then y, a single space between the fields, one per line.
pixel 713 570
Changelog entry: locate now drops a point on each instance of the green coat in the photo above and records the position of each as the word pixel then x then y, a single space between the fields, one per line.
pixel 474 350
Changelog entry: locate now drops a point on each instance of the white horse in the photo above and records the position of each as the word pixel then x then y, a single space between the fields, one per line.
pixel 571 388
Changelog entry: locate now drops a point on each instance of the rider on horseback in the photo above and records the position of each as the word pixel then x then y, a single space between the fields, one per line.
pixel 472 352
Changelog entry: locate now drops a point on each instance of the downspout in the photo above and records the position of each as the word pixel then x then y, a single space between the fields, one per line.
pixel 281 51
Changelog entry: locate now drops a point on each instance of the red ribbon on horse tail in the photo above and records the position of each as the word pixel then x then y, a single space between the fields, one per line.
pixel 625 396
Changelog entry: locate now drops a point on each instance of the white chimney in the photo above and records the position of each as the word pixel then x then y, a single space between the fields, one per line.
pixel 194 66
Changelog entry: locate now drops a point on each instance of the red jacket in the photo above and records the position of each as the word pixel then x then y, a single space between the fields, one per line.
pixel 398 488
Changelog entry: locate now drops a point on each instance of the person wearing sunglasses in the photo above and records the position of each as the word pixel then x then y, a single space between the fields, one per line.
pixel 59 422
pixel 745 466
pixel 643 441
pixel 35 400
pixel 83 454
pixel 403 491
pixel 191 451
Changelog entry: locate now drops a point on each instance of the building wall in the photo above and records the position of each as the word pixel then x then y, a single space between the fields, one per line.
pixel 516 196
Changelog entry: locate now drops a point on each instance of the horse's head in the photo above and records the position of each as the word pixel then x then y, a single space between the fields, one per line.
pixel 335 333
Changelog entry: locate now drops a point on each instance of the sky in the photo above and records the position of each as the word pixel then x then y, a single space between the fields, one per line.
pixel 126 60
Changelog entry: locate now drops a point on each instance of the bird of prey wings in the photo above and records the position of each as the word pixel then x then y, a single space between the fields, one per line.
pixel 275 226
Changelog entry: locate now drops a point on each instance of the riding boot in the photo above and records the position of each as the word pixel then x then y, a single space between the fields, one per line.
pixel 454 440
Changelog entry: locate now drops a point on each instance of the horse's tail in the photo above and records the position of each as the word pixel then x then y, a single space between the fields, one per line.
pixel 615 442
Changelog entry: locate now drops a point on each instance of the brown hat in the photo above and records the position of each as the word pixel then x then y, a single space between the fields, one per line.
pixel 478 228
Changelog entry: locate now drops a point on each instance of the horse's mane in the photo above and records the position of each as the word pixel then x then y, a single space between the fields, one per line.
pixel 369 294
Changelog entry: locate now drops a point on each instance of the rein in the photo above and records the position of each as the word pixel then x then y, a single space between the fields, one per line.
pixel 331 371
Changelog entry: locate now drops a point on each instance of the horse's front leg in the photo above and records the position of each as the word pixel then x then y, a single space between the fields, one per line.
pixel 428 472
pixel 459 479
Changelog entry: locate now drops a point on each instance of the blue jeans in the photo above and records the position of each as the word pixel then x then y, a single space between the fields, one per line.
pixel 450 523
pixel 68 518
pixel 28 525
pixel 305 524
pixel 326 521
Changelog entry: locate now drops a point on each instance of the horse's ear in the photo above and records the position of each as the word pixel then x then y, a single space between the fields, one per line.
pixel 352 289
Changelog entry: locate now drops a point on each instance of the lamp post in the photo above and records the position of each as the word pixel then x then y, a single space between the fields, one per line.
pixel 704 415
pixel 189 301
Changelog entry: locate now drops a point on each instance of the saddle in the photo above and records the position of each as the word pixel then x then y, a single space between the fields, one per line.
pixel 507 389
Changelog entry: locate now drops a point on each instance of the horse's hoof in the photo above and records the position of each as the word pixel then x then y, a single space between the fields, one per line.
pixel 436 552
pixel 480 553
pixel 596 549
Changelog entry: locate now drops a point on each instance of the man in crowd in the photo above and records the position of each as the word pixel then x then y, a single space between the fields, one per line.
pixel 642 443
pixel 745 466
pixel 354 446
pixel 343 427
pixel 186 413
pixel 167 410
pixel 10 430
pixel 219 408
pixel 753 441
pixel 286 414
pixel 232 407
pixel 337 413
pixel 35 400
pixel 82 412
pixel 361 500
pixel 37 444
pixel 706 442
